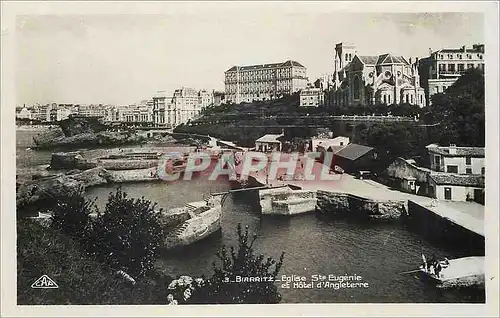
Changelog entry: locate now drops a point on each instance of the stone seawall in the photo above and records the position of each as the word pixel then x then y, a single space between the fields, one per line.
pixel 285 201
pixel 338 204
pixel 443 230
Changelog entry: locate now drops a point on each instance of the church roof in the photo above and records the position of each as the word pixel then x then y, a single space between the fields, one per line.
pixel 391 59
pixel 370 60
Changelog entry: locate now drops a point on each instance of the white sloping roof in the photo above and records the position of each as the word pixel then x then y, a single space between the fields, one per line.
pixel 269 138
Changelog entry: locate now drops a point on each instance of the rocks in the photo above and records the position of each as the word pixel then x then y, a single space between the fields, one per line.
pixel 70 160
pixel 37 193
pixel 90 139
pixel 48 136
pixel 348 205
pixel 76 125
pixel 90 177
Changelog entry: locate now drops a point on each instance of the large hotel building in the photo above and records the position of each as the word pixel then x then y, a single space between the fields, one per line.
pixel 264 82
pixel 443 67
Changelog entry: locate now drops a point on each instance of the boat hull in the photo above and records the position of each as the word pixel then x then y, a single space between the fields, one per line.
pixel 195 229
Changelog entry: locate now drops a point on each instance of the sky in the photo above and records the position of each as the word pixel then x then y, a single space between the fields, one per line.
pixel 123 59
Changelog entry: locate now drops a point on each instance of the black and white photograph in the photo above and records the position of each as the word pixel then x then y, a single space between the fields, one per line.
pixel 255 153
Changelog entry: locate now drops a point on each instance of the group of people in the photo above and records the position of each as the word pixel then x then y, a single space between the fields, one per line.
pixel 434 266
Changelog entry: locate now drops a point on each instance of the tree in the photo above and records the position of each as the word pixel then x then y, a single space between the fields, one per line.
pixel 460 112
pixel 128 234
pixel 222 288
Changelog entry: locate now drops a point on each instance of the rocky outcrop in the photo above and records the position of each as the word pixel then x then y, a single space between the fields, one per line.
pixel 90 177
pixel 70 160
pixel 351 206
pixel 41 192
pixel 76 125
pixel 47 136
pixel 105 138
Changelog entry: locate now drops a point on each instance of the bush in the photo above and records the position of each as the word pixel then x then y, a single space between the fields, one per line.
pixel 71 215
pixel 221 288
pixel 127 235
pixel 81 279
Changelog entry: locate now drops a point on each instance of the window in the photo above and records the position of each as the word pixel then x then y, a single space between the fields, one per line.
pixel 452 169
pixel 451 67
pixel 459 56
pixel 437 160
pixel 357 87
pixel 468 170
pixel 411 99
pixel 468 160
pixel 482 171
pixel 442 67
pixel 447 193
pixel 460 67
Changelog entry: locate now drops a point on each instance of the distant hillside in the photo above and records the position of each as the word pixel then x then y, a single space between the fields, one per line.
pixel 258 113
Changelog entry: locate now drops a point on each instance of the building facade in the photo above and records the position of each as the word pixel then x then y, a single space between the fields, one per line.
pixel 453 159
pixel 185 104
pixel 312 97
pixel 23 113
pixel 219 98
pixel 443 67
pixel 368 80
pixel 264 82
pixel 456 187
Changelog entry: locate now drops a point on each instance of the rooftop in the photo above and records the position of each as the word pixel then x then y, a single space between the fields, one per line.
pixel 460 151
pixel 269 138
pixel 465 180
pixel 353 151
pixel 260 66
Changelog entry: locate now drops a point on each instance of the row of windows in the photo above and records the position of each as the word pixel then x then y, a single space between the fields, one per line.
pixel 460 67
pixel 282 71
pixel 460 56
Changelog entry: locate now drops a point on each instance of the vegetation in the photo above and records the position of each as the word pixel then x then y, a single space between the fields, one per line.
pixel 81 278
pixel 83 254
pixel 222 288
pixel 459 113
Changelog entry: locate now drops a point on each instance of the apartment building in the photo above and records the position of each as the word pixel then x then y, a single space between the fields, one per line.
pixel 443 67
pixel 264 82
pixel 185 104
pixel 453 159
pixel 312 97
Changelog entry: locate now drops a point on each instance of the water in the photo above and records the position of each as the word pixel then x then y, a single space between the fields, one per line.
pixel 377 252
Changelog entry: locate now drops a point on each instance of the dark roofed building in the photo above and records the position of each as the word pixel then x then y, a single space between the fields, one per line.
pixel 465 180
pixel 354 157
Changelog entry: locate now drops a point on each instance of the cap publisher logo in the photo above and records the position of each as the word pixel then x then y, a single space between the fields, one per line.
pixel 44 282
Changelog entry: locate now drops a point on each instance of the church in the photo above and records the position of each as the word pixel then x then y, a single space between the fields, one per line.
pixel 368 80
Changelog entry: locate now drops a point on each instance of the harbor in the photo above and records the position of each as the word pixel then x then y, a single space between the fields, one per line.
pixel 354 246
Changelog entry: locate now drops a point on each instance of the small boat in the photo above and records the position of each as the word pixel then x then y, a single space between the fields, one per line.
pixel 460 272
pixel 195 221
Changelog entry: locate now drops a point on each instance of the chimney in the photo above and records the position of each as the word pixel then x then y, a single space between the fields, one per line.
pixel 430 51
pixel 452 149
pixel 462 48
